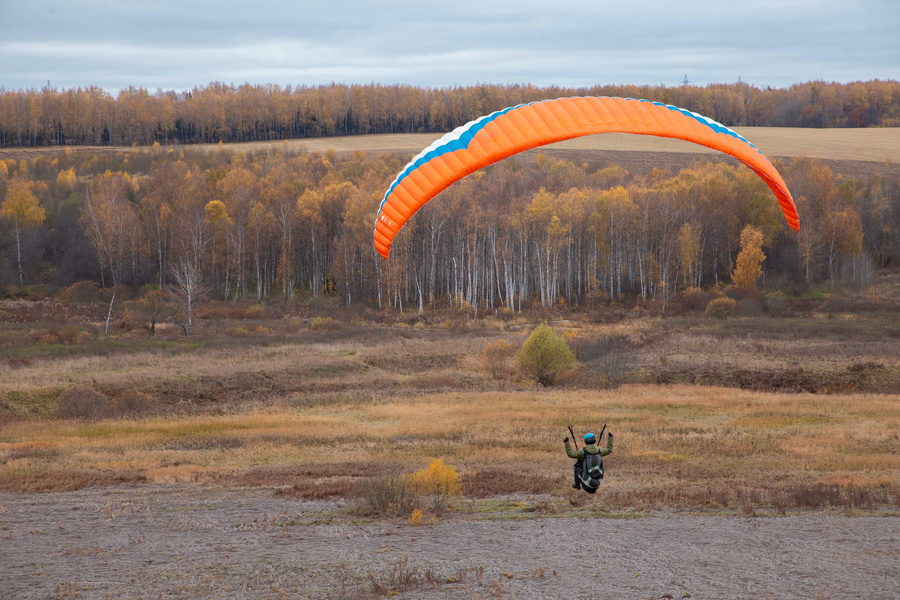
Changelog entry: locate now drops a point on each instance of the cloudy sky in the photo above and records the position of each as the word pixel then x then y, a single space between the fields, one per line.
pixel 178 44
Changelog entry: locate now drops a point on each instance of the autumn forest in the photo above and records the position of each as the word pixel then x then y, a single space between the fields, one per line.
pixel 533 231
pixel 228 113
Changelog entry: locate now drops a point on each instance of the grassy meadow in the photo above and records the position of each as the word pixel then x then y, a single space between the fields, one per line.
pixel 772 412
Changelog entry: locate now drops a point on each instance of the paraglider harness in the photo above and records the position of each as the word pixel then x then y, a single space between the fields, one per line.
pixel 589 469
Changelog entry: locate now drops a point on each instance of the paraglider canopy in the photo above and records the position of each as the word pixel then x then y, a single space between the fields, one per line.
pixel 500 134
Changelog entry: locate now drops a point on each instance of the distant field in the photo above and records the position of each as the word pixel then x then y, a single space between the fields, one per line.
pixel 869 145
pixel 879 145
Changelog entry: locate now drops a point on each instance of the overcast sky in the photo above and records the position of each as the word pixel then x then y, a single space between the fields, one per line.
pixel 179 44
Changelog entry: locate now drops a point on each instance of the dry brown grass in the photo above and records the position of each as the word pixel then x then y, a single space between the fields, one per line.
pixel 675 446
pixel 284 411
pixel 876 144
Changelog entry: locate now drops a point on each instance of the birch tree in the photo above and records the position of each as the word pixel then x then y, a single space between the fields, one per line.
pixel 23 210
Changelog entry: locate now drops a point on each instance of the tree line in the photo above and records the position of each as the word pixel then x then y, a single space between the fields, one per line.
pixel 530 231
pixel 229 113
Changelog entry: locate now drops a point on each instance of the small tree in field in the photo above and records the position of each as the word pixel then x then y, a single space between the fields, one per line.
pixel 150 308
pixel 438 484
pixel 545 355
pixel 495 357
pixel 748 269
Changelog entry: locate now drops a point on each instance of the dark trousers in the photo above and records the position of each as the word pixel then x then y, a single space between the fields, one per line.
pixel 579 465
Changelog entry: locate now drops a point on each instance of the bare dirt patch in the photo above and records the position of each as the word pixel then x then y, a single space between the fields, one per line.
pixel 188 542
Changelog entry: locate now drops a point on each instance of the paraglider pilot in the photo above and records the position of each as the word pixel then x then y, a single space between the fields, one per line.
pixel 589 463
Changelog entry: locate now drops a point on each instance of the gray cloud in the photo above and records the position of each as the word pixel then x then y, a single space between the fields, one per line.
pixel 179 44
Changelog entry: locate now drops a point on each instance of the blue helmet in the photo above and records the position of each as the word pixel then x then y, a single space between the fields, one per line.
pixel 590 438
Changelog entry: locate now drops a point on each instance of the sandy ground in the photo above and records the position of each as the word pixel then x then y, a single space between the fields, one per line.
pixel 202 542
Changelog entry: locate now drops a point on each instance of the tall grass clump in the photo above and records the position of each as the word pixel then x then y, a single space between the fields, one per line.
pixel 390 495
pixel 436 488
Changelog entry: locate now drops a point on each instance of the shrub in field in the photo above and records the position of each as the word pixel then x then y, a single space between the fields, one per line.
pixel 438 484
pixel 48 339
pixel 721 308
pixel 128 320
pixel 390 494
pixel 495 358
pixel 254 311
pixel 83 292
pixel 545 355
pixel 437 488
pixel 70 335
pixel 84 402
pixel 777 303
pixel 749 307
pixel 694 299
pixel 135 403
pixel 733 292
pixel 324 324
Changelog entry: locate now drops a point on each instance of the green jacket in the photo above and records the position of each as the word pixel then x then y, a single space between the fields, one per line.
pixel 590 449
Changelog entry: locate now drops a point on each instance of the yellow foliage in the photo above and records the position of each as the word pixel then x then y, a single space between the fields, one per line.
pixel 21 207
pixel 748 269
pixel 437 480
pixel 66 178
pixel 418 518
pixel 48 339
pixel 495 357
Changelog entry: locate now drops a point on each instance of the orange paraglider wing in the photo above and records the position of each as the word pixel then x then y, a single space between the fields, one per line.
pixel 498 135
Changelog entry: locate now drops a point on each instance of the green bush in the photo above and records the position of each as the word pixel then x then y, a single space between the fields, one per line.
pixel 721 308
pixel 545 355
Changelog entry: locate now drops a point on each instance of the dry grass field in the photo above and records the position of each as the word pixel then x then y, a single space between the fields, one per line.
pixel 875 144
pixel 797 411
pixel 242 462
pixel 677 446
